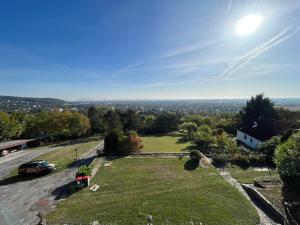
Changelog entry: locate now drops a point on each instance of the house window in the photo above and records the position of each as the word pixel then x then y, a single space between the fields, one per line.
pixel 251 140
pixel 245 137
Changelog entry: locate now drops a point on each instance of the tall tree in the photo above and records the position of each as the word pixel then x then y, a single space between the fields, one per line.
pixel 5 126
pixel 96 117
pixel 258 108
pixel 112 121
pixel 131 120
pixel 189 128
pixel 166 122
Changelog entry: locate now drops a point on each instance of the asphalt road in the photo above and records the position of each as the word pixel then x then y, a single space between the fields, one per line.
pixel 13 160
pixel 20 202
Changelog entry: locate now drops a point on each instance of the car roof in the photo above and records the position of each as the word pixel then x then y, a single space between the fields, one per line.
pixel 36 161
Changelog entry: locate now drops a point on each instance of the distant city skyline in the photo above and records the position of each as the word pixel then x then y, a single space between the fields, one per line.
pixel 106 50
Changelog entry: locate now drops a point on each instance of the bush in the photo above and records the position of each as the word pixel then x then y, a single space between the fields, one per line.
pixel 116 142
pixel 257 160
pixel 133 143
pixel 204 138
pixel 132 132
pixel 85 170
pixel 195 155
pixel 241 160
pixel 220 160
pixel 287 159
pixel 268 148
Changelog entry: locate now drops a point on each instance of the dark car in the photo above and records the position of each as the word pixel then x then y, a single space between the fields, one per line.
pixel 36 167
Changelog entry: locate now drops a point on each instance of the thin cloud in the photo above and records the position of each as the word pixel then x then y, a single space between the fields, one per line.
pixel 176 52
pixel 245 59
pixel 229 6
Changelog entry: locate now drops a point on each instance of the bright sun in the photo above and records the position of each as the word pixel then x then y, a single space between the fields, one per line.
pixel 248 24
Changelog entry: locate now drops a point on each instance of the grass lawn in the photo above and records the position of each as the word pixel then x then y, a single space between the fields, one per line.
pixel 247 176
pixel 173 142
pixel 132 188
pixel 64 156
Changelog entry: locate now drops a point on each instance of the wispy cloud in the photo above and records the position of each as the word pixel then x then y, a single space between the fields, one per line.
pixel 246 58
pixel 178 51
pixel 229 5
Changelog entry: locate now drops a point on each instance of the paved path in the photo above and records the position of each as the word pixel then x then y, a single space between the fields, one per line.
pixel 15 159
pixel 20 202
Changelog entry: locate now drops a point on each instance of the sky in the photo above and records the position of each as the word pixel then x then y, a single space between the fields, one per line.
pixel 158 49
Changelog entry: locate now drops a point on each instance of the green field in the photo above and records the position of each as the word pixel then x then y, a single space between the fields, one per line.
pixel 64 156
pixel 132 188
pixel 173 142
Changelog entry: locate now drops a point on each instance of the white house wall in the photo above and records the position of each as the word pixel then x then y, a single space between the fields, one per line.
pixel 247 139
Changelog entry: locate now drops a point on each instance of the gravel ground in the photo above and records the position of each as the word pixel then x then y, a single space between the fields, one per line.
pixel 21 201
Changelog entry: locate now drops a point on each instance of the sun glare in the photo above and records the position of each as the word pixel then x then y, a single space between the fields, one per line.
pixel 248 24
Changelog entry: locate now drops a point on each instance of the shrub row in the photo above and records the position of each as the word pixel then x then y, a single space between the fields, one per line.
pixel 242 160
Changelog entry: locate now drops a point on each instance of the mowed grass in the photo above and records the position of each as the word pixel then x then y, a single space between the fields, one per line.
pixel 247 176
pixel 173 142
pixel 66 155
pixel 132 188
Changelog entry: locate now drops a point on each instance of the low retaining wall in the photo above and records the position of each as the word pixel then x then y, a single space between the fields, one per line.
pixel 268 208
pixel 149 154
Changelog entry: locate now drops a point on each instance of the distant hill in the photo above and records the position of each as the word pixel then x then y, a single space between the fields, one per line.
pixel 12 103
pixel 50 101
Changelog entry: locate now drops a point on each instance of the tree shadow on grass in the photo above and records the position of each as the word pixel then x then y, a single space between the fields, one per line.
pixel 191 165
pixel 190 148
pixel 80 162
pixel 65 190
pixel 19 178
pixel 183 139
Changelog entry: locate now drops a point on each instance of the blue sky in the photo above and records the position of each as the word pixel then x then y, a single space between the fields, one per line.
pixel 160 49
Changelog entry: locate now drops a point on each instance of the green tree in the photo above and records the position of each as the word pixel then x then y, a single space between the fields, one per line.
pixel 189 128
pixel 5 126
pixel 231 146
pixel 204 138
pixel 258 108
pixel 149 124
pixel 96 117
pixel 198 119
pixel 131 120
pixel 57 124
pixel 18 123
pixel 287 159
pixel 112 121
pixel 166 122
pixel 113 141
pixel 268 148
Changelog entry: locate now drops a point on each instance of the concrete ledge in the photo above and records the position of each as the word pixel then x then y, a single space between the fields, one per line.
pixel 148 154
pixel 267 206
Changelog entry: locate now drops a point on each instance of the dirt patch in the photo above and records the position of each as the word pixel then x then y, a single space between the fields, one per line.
pixel 40 204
